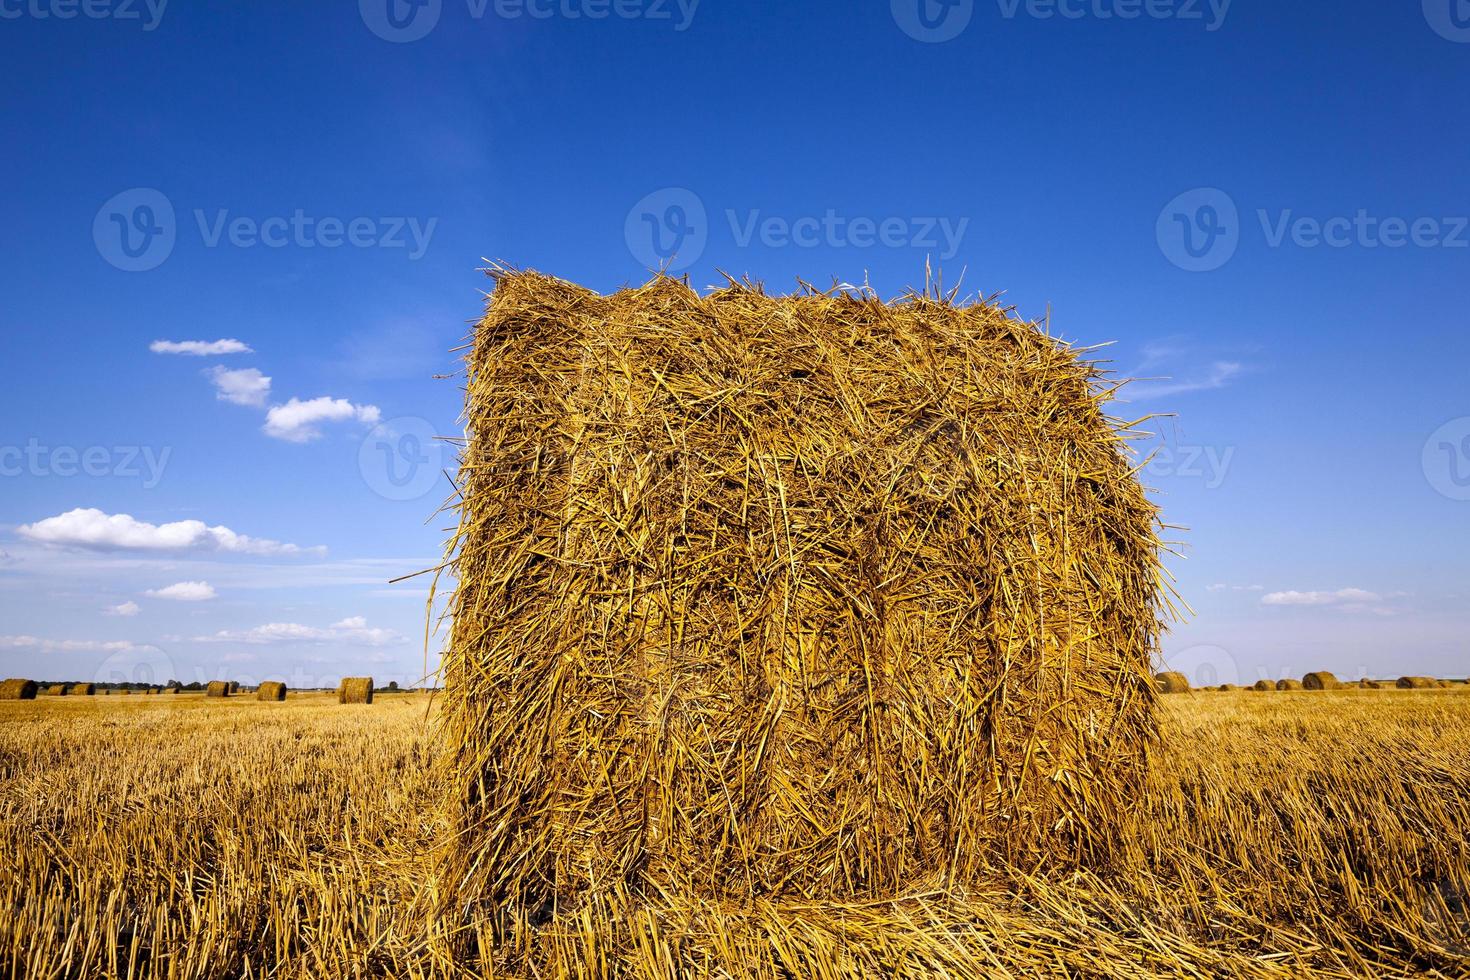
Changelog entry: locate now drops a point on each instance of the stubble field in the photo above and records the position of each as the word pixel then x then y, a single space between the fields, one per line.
pixel 1284 834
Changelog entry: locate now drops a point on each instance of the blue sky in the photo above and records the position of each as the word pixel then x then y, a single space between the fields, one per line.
pixel 1262 204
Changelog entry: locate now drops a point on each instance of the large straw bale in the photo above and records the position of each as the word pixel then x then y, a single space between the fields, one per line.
pixel 1416 682
pixel 17 689
pixel 1321 680
pixel 82 690
pixel 355 690
pixel 271 691
pixel 1289 684
pixel 813 596
pixel 1263 685
pixel 217 689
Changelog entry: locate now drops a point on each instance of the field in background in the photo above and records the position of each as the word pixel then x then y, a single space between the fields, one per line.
pixel 174 836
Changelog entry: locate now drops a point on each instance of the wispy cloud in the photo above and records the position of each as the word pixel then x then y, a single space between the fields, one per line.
pixel 128 608
pixel 44 645
pixel 95 530
pixel 1217 375
pixel 352 630
pixel 300 421
pixel 1295 598
pixel 1223 587
pixel 185 592
pixel 246 386
pixel 200 348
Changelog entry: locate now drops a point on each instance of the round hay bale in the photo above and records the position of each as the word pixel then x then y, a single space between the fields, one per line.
pixel 1370 685
pixel 82 690
pixel 355 690
pixel 1172 682
pixel 56 690
pixel 813 495
pixel 1263 685
pixel 1321 680
pixel 1228 687
pixel 1289 684
pixel 217 689
pixel 171 689
pixel 1415 683
pixel 271 691
pixel 18 689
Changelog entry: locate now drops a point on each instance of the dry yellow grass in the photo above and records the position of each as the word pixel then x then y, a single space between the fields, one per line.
pixel 211 838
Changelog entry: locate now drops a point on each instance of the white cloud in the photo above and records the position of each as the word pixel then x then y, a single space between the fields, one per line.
pixel 87 527
pixel 1294 598
pixel 122 609
pixel 297 421
pixel 246 386
pixel 199 348
pixel 185 592
pixel 1219 374
pixel 73 646
pixel 353 630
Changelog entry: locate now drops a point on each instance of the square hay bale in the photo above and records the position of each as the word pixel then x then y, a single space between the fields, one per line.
pixel 217 689
pixel 355 690
pixel 813 596
pixel 271 691
pixel 17 689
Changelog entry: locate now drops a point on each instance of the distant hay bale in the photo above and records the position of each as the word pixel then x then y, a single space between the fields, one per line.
pixel 56 690
pixel 1228 687
pixel 1443 683
pixel 355 690
pixel 82 690
pixel 171 689
pixel 1289 684
pixel 1172 682
pixel 217 689
pixel 1369 684
pixel 17 689
pixel 1321 680
pixel 1416 683
pixel 271 691
pixel 835 595
pixel 1263 685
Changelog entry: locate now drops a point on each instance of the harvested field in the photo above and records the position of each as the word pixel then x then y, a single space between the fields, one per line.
pixel 305 836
